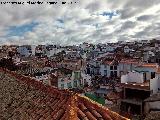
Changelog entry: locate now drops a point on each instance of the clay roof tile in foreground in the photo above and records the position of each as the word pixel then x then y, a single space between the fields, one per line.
pixel 27 99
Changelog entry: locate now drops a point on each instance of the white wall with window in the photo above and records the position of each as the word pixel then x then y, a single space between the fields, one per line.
pixel 155 84
pixel 76 80
pixel 132 77
pixel 86 79
pixel 109 70
pixel 23 50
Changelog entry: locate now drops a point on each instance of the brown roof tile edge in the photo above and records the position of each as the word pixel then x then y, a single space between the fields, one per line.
pixel 108 114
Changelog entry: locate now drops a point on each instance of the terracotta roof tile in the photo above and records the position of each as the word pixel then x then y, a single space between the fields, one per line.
pixel 152 65
pixel 33 100
pixel 130 61
pixel 81 115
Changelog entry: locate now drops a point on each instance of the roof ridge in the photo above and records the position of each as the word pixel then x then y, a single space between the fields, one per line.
pixel 104 110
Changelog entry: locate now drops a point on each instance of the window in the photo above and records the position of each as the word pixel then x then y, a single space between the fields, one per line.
pixel 152 75
pixel 144 77
pixel 69 85
pixel 75 83
pixel 111 73
pixel 115 67
pixel 111 67
pixel 62 86
pixel 105 72
pixel 115 73
pixel 77 75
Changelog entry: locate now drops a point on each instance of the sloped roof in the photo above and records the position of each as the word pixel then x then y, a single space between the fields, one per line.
pixel 149 65
pixel 27 99
pixel 130 61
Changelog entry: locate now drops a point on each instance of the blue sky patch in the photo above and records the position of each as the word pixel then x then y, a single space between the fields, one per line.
pixel 110 14
pixel 60 20
pixel 21 30
pixel 59 23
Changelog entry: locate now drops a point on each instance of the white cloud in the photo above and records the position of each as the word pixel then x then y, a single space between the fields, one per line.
pixel 82 21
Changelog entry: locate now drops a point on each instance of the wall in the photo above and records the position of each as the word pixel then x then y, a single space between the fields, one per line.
pixel 126 67
pixel 124 78
pixel 23 51
pixel 66 79
pixel 107 67
pixel 33 48
pixel 87 78
pixel 145 69
pixel 53 51
pixel 151 105
pixel 154 84
pixel 132 77
pixel 102 68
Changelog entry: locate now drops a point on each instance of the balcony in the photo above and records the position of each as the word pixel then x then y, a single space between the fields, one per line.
pixel 140 86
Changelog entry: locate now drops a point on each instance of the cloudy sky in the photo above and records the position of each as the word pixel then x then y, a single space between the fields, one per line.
pixel 93 21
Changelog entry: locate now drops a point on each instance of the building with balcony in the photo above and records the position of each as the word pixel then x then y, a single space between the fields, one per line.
pixel 138 86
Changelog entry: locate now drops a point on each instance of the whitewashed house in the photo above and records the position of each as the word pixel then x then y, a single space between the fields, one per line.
pixel 33 48
pixel 126 65
pixel 109 68
pixel 138 86
pixel 85 79
pixel 127 49
pixel 144 75
pixel 110 48
pixel 74 80
pixel 24 51
pixel 53 51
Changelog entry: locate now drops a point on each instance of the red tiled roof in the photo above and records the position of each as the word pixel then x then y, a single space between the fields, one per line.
pixel 25 98
pixel 151 65
pixel 129 61
pixel 108 62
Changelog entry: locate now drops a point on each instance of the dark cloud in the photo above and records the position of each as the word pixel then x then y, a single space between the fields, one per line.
pixel 125 26
pixel 145 17
pixel 128 25
pixel 144 4
pixel 129 12
pixel 92 7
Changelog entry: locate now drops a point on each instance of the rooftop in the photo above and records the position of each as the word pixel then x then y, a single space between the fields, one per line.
pixel 25 98
pixel 142 86
pixel 130 61
pixel 150 65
